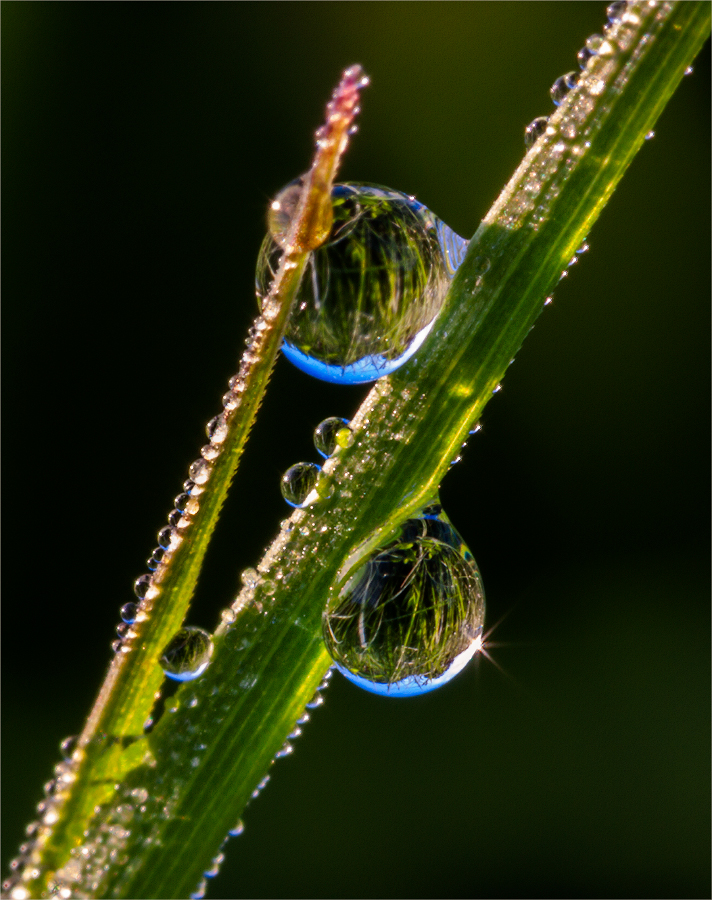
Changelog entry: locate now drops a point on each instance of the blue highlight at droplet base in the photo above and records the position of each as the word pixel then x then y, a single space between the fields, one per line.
pixel 370 368
pixel 187 676
pixel 414 686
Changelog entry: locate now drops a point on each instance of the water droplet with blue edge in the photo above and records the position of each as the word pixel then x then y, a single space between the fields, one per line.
pixel 298 483
pixel 332 433
pixel 187 654
pixel 407 617
pixel 562 86
pixel 370 294
pixel 534 130
pixel 128 612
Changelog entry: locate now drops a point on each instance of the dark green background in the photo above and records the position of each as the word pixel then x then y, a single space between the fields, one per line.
pixel 141 144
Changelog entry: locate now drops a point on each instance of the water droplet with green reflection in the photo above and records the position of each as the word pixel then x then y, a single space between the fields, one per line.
pixel 187 654
pixel 408 616
pixel 370 294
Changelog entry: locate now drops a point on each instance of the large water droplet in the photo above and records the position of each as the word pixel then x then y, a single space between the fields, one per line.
pixel 332 433
pixel 187 654
pixel 370 294
pixel 407 617
pixel 299 482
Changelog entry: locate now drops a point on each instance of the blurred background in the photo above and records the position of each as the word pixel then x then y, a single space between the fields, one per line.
pixel 141 146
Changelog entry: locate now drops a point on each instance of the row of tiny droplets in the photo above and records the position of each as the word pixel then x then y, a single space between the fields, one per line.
pixel 316 701
pixel 616 13
pixel 619 16
pixel 199 472
pixel 343 102
pixel 146 588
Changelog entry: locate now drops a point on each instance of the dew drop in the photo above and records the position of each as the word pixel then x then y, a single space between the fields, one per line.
pixel 298 483
pixel 534 130
pixel 216 429
pixel 562 86
pixel 199 471
pixel 128 612
pixel 165 538
pixel 650 135
pixel 406 618
pixel 614 11
pixel 237 829
pixel 372 291
pixel 143 586
pixel 187 654
pixel 583 56
pixel 689 70
pixel 332 433
pixel 210 452
pixel 250 578
pixel 68 746
pixel 181 501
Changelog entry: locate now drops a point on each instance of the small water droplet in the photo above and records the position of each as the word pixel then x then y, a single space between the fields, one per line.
pixel 316 701
pixel 215 866
pixel 210 452
pixel 143 587
pixel 325 486
pixel 534 130
pixel 614 11
pixel 187 654
pixel 200 890
pixel 128 612
pixel 68 746
pixel 407 617
pixel 562 86
pixel 165 537
pixel 594 42
pixel 583 57
pixel 372 291
pixel 180 502
pixel 298 483
pixel 250 577
pixel 332 433
pixel 284 751
pixel 650 135
pixel 228 615
pixel 689 70
pixel 216 429
pixel 237 829
pixel 199 471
